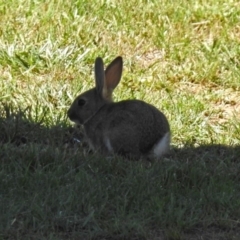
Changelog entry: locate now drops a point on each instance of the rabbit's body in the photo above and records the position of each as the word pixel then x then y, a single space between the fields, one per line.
pixel 131 128
pixel 135 139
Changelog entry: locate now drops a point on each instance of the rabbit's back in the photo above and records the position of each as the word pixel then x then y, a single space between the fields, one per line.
pixel 130 127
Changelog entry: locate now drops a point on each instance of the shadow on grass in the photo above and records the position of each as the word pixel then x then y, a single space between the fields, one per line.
pixel 52 189
pixel 19 128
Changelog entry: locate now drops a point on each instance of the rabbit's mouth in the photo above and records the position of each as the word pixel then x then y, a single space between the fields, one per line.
pixel 75 120
pixel 73 117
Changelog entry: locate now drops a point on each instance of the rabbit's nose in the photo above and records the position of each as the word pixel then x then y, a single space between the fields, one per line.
pixel 68 112
pixel 72 115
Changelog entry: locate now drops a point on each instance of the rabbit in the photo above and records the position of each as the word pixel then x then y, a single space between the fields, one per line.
pixel 131 128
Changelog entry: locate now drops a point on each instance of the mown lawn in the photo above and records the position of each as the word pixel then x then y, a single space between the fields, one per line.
pixel 182 57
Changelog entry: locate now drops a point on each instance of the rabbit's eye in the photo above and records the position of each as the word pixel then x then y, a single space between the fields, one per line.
pixel 81 102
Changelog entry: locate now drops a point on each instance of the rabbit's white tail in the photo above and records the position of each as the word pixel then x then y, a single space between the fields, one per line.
pixel 162 146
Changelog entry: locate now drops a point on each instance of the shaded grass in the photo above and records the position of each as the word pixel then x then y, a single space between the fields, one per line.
pixel 89 198
pixel 49 185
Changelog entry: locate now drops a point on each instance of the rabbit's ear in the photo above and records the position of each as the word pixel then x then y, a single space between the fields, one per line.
pixel 99 75
pixel 113 75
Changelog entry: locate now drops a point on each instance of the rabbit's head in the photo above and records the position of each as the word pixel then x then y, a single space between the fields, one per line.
pixel 86 105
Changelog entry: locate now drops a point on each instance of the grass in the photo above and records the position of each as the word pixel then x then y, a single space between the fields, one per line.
pixel 183 57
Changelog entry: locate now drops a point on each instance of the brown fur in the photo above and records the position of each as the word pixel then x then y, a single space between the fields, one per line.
pixel 130 128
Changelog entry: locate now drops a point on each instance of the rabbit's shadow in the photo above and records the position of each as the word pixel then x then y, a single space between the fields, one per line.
pixel 206 152
pixel 17 129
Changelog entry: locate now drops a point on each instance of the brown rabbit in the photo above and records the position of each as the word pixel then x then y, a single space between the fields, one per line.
pixel 131 128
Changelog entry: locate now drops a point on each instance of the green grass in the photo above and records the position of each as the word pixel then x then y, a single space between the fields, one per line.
pixel 181 56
